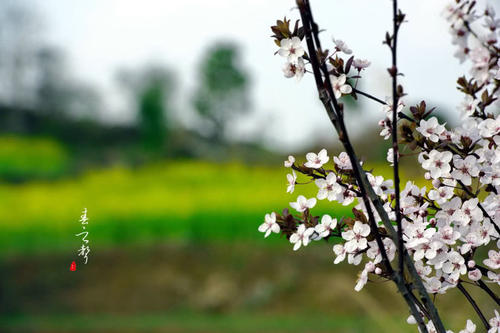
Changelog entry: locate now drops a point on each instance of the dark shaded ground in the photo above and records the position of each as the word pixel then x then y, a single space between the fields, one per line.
pixel 201 288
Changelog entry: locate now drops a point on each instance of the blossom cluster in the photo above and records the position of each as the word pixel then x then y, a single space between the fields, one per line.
pixel 290 48
pixel 444 223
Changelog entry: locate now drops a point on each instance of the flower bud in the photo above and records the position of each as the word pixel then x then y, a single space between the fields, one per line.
pixel 475 275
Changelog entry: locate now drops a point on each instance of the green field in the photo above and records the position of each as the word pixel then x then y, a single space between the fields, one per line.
pixel 183 200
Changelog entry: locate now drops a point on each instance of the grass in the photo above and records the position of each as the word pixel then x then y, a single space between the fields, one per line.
pixel 197 322
pixel 32 157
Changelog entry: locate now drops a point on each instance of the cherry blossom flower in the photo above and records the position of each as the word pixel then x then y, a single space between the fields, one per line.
pixel 361 64
pixel 465 169
pixel 469 328
pixel 291 69
pixel 441 194
pixel 339 85
pixel 431 129
pixel 328 188
pixel 340 253
pixel 374 253
pixel 494 323
pixel 301 237
pixel 363 277
pixel 302 203
pixel 468 106
pixel 428 250
pixel 356 237
pixel 449 210
pixel 474 275
pixel 316 161
pixel 497 75
pixel 448 235
pixel 291 179
pixel 455 265
pixel 493 277
pixel 346 196
pixel 289 162
pixel 354 258
pixel 438 163
pixel 291 49
pixel 386 131
pixel 326 226
pixel 343 161
pixel 269 225
pixel 469 212
pixel 341 46
pixel 434 285
pixel 387 108
pixel 422 270
pixel 493 260
pixel 489 127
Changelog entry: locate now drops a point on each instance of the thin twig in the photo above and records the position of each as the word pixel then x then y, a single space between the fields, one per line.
pixel 472 195
pixel 490 292
pixel 378 100
pixel 474 305
pixel 357 91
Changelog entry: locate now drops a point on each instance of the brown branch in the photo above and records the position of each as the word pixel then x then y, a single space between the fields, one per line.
pixel 333 111
pixel 335 114
pixel 394 134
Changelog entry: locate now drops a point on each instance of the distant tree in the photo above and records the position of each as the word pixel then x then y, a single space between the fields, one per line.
pixel 152 89
pixel 222 92
pixel 20 28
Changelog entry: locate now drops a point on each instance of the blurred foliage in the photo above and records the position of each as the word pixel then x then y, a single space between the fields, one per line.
pixel 222 92
pixel 27 158
pixel 152 90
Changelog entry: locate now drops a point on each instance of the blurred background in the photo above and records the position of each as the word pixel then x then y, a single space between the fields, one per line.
pixel 169 121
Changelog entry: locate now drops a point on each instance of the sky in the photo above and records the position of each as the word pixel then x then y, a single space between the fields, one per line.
pixel 103 36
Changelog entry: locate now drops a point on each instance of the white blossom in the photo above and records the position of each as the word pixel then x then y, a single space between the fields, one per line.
pixel 494 323
pixel 269 225
pixel 339 85
pixel 360 64
pixel 291 179
pixel 343 161
pixel 296 70
pixel 326 226
pixel 465 169
pixel 493 260
pixel 328 187
pixel 302 203
pixel 469 328
pixel 289 162
pixel 301 236
pixel 431 129
pixel 356 237
pixel 316 161
pixel 291 49
pixel 438 163
pixel 341 46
